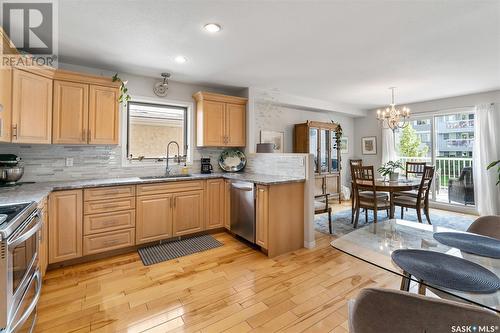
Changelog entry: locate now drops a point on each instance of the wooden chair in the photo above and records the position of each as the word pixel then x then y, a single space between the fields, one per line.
pixel 366 193
pixel 352 163
pixel 415 168
pixel 321 207
pixel 421 200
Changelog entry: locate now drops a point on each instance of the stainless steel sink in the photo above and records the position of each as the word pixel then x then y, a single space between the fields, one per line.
pixel 166 176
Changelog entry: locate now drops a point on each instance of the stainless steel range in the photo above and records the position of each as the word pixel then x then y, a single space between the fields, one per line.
pixel 20 279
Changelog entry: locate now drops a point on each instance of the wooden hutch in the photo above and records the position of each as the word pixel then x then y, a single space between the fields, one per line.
pixel 323 141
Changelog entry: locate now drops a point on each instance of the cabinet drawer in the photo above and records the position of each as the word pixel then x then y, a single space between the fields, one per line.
pixel 97 223
pixel 107 206
pixel 113 192
pixel 108 241
pixel 178 186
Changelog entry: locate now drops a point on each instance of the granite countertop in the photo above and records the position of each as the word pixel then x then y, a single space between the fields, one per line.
pixel 38 191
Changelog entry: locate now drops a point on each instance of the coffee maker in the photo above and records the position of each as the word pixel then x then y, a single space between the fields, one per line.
pixel 206 166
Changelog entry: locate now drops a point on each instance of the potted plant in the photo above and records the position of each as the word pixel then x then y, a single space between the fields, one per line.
pixel 390 168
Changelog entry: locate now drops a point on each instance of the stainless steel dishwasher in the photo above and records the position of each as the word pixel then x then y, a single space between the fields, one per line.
pixel 243 210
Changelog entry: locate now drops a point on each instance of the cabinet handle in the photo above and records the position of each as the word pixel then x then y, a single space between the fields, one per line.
pixel 111 242
pixel 83 135
pixel 171 202
pixel 110 206
pixel 14 131
pixel 88 136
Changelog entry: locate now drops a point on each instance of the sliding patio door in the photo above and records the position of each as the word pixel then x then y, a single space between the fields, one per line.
pixel 445 140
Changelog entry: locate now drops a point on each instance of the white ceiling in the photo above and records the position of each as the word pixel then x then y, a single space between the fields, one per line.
pixel 341 51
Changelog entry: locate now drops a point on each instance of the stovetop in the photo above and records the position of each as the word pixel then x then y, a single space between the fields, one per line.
pixel 9 212
pixel 12 216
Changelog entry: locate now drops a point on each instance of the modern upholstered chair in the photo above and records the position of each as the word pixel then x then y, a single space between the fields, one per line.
pixel 394 311
pixel 462 189
pixel 366 193
pixel 321 207
pixel 486 226
pixel 421 200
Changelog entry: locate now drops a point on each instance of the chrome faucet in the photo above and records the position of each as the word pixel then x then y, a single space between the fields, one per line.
pixel 167 170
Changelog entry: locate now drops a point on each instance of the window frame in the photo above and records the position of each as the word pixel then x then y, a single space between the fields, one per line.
pixel 187 107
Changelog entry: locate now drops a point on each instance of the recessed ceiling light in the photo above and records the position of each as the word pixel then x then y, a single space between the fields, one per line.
pixel 212 27
pixel 180 59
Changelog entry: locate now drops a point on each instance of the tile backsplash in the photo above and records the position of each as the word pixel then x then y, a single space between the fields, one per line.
pixel 48 162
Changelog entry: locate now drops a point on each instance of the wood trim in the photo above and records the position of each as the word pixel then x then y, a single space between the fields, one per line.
pixel 65 75
pixel 322 125
pixel 262 216
pixel 208 96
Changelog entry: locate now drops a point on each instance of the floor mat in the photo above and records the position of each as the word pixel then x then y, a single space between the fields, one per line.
pixel 154 254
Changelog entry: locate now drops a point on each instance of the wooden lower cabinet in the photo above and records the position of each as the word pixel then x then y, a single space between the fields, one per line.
pixel 153 218
pixel 227 204
pixel 65 225
pixel 188 213
pixel 262 216
pixel 108 241
pixel 215 203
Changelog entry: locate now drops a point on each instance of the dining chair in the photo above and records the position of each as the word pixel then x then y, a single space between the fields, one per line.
pixel 321 207
pixel 354 162
pixel 421 200
pixel 487 226
pixel 366 193
pixel 392 311
pixel 413 170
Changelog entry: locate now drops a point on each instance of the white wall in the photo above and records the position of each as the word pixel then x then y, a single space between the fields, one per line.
pixel 369 126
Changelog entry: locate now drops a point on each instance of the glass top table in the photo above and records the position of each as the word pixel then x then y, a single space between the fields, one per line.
pixel 375 243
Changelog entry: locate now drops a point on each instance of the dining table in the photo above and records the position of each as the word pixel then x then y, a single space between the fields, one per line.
pixel 376 242
pixel 402 184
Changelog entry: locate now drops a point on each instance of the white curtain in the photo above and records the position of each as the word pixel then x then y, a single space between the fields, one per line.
pixel 486 150
pixel 388 146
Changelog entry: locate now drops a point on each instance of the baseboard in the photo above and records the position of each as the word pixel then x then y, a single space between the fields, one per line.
pixel 310 245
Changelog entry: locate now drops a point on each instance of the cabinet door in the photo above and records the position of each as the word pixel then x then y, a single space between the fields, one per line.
pixel 215 203
pixel 31 108
pixel 213 124
pixel 235 125
pixel 103 115
pixel 5 103
pixel 70 115
pixel 262 216
pixel 153 218
pixel 65 225
pixel 227 204
pixel 188 212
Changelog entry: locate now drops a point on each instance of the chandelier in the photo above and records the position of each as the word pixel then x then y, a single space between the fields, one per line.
pixel 393 117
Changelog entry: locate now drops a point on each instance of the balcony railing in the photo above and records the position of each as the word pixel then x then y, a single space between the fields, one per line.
pixel 446 167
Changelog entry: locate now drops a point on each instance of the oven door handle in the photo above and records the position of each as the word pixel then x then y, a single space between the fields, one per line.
pixel 26 234
pixel 33 304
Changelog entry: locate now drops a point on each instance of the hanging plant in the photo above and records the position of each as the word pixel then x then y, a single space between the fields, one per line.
pixel 124 96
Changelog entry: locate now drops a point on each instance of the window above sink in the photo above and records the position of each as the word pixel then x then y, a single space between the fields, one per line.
pixel 150 126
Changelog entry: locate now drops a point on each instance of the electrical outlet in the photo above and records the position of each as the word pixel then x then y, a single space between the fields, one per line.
pixel 69 161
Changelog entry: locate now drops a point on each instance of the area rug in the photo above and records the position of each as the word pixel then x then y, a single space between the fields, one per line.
pixel 341 221
pixel 166 251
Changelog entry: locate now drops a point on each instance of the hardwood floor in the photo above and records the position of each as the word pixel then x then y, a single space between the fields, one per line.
pixel 229 289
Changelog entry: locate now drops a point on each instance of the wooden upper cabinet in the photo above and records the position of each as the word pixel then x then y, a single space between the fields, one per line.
pixel 65 225
pixel 188 213
pixel 31 108
pixel 221 120
pixel 215 203
pixel 213 124
pixel 5 103
pixel 70 113
pixel 153 218
pixel 235 125
pixel 104 117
